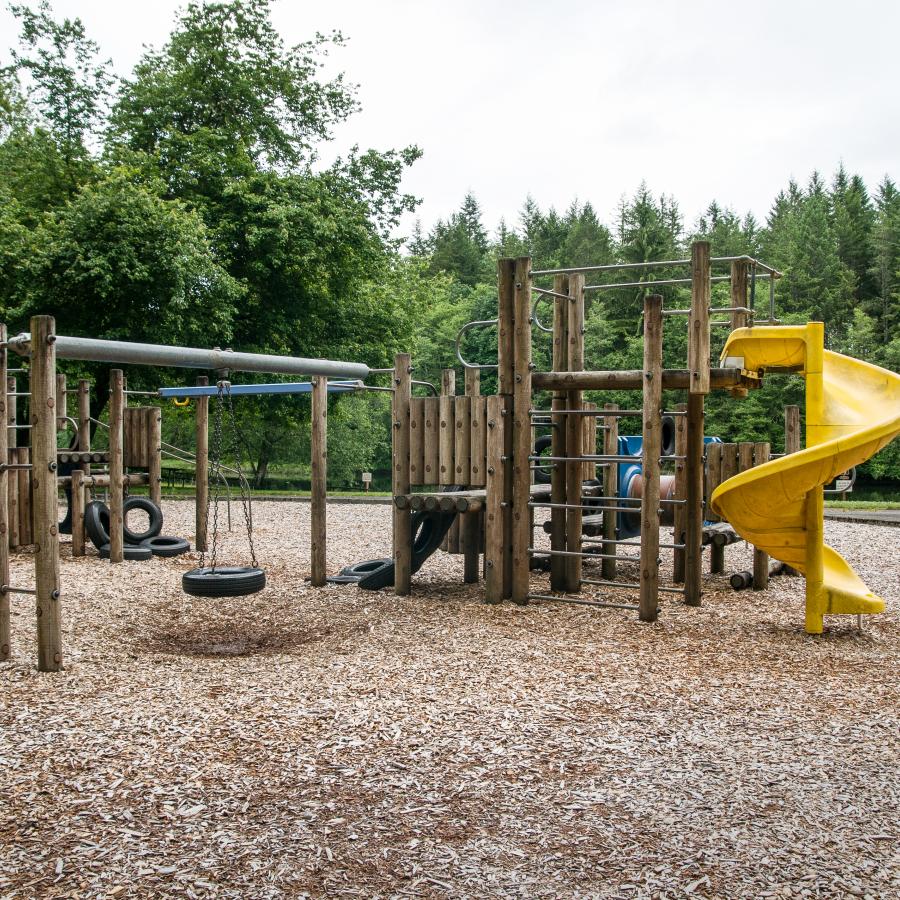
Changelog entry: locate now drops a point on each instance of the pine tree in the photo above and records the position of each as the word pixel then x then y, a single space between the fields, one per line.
pixel 852 218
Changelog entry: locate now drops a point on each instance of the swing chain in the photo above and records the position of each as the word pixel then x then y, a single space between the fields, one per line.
pixel 219 449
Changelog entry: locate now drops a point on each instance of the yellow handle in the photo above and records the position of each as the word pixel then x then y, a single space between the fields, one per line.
pixel 184 402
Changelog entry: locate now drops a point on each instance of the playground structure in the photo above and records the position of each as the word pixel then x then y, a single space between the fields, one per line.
pixel 472 457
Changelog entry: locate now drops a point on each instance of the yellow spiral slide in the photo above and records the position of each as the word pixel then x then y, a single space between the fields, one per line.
pixel 852 411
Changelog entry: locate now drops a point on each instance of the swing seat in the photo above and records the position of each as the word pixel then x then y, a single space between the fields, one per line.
pixel 223 581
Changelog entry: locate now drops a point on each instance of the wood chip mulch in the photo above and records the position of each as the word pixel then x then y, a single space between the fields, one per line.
pixel 333 742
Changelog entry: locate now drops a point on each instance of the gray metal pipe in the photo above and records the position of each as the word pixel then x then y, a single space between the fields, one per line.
pixel 95 350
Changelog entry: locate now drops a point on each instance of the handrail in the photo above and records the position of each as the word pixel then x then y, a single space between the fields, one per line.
pixel 534 315
pixel 478 323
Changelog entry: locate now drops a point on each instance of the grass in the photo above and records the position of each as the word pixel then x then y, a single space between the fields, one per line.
pixel 862 504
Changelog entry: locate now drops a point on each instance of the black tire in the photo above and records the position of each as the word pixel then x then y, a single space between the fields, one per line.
pixel 361 569
pixel 64 469
pixel 668 436
pixel 152 510
pixel 223 581
pixel 166 546
pixel 133 552
pixel 96 523
pixel 542 475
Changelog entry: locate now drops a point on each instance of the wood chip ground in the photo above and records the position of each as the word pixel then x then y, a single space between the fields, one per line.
pixel 339 743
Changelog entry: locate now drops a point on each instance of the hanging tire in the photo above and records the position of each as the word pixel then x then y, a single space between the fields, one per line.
pixel 166 546
pixel 96 523
pixel 153 512
pixel 133 552
pixel 223 581
pixel 542 474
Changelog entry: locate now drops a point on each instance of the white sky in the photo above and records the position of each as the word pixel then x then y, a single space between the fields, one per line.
pixel 584 99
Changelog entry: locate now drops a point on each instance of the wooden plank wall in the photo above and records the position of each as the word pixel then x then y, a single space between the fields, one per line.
pixel 448 441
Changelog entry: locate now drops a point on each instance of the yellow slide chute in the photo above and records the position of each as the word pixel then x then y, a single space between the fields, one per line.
pixel 852 411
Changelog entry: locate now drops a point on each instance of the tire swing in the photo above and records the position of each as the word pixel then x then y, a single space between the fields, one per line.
pixel 215 580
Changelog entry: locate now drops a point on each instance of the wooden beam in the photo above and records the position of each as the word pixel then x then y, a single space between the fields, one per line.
pixel 116 466
pixel 761 452
pixel 739 295
pixel 712 481
pixel 693 537
pixel 574 432
pixel 506 288
pixel 154 454
pixel 12 408
pixel 558 438
pixel 77 488
pixel 400 473
pixel 5 639
pixel 610 489
pixel 46 515
pixel 432 440
pixel 318 495
pixel 470 523
pixel 84 421
pixel 679 517
pixel 417 441
pixel 61 405
pixel 201 468
pixel 521 439
pixel 698 333
pixel 652 447
pixel 630 380
pixel 494 530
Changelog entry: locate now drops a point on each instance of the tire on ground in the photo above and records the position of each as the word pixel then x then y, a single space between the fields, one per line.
pixel 96 523
pixel 133 552
pixel 153 512
pixel 161 545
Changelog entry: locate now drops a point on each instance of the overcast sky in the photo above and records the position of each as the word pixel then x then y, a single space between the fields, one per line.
pixel 571 99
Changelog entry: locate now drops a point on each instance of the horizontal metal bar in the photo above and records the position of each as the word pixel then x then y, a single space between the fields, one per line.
pixel 659 282
pixel 8 466
pixel 631 542
pixel 9 589
pixel 249 390
pixel 18 393
pixel 676 312
pixel 630 585
pixel 94 350
pixel 549 293
pixel 548 505
pixel 612 267
pixel 140 393
pixel 767 270
pixel 575 602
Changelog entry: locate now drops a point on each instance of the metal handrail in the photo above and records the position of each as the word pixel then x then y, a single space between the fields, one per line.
pixel 534 315
pixel 478 323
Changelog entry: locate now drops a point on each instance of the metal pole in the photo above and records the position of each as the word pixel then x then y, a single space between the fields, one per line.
pixel 95 350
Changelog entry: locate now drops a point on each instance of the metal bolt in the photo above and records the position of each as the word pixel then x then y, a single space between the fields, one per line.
pixel 54 595
pixel 51 466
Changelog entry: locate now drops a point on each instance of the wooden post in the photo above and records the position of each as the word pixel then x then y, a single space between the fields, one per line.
pixel 522 443
pixel 400 483
pixel 506 285
pixel 24 494
pixel 318 485
pixel 679 516
pixel 431 440
pixel 558 438
pixel 792 444
pixel 77 489
pixel 12 402
pixel 470 523
pixel 43 478
pixel 447 437
pixel 739 293
pixel 61 404
pixel 201 468
pixel 698 335
pixel 84 421
pixel 495 491
pixel 154 459
pixel 652 448
pixel 4 504
pixel 693 527
pixel 761 453
pixel 610 489
pixel 713 479
pixel 574 432
pixel 116 466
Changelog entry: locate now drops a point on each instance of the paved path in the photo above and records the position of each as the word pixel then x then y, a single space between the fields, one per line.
pixel 866 516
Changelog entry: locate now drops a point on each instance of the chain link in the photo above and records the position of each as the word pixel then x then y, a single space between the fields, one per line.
pixel 220 448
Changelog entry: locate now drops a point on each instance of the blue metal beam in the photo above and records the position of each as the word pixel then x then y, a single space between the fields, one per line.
pixel 249 390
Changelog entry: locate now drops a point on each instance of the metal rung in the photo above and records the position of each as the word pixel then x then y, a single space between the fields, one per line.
pixel 9 589
pixel 634 559
pixel 583 459
pixel 5 467
pixel 575 602
pixel 627 584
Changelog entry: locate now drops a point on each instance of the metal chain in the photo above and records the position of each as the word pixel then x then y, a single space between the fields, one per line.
pixel 221 446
